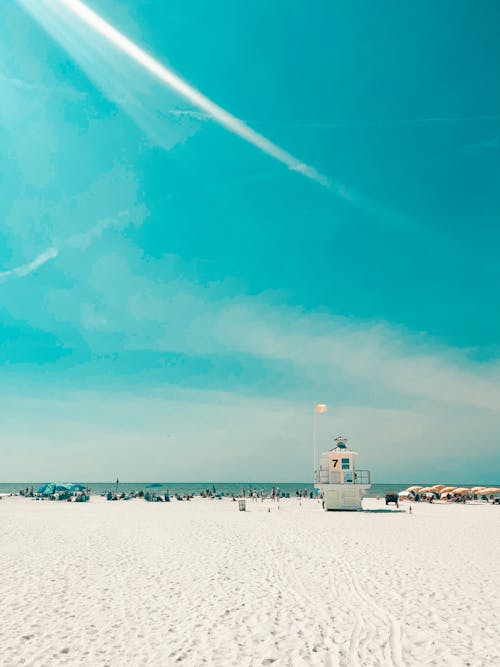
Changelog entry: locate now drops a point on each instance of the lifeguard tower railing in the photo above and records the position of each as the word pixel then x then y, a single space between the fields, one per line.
pixel 327 477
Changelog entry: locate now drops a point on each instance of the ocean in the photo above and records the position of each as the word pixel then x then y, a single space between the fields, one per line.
pixel 227 488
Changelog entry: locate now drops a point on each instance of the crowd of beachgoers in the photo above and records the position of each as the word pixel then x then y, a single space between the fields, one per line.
pixel 81 493
pixel 76 493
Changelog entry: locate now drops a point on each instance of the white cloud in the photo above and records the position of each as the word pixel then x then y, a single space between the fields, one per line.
pixel 415 410
pixel 381 364
pixel 376 355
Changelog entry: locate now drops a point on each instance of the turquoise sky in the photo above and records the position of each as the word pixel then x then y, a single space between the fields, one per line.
pixel 173 299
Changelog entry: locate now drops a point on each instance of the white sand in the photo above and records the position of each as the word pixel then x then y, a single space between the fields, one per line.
pixel 135 583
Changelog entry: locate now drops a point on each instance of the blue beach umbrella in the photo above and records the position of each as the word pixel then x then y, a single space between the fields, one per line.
pixel 46 489
pixel 51 487
pixel 76 487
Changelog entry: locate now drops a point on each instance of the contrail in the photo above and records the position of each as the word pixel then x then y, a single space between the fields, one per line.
pixel 205 107
pixel 26 269
pixel 176 83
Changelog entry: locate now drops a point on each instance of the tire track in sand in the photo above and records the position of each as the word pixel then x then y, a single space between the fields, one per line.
pixel 393 654
pixel 366 645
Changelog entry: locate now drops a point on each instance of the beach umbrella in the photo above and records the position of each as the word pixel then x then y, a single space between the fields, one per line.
pixel 460 491
pixel 438 487
pixel 489 490
pixel 76 487
pixel 414 488
pixel 424 489
pixel 51 487
pixel 46 489
pixel 476 489
pixel 448 489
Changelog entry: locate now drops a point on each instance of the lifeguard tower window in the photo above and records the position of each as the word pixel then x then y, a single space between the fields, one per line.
pixel 345 464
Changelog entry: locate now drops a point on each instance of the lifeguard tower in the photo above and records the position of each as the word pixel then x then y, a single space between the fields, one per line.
pixel 342 485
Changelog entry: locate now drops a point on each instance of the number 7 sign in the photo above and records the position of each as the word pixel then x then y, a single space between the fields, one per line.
pixel 334 464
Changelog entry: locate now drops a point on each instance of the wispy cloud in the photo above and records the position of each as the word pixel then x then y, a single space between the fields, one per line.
pixel 373 359
pixel 120 80
pixel 487 144
pixel 97 46
pixel 346 124
pixel 392 389
pixel 26 269
pixel 29 86
pixel 189 113
pixel 123 219
pixel 44 9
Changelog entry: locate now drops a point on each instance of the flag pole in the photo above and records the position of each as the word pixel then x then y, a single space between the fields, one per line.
pixel 315 440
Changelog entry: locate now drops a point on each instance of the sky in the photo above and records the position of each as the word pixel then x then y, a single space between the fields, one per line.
pixel 299 204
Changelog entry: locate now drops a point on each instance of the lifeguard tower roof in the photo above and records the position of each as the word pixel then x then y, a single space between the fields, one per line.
pixel 341 445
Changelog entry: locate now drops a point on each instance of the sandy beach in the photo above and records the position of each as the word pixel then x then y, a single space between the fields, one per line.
pixel 135 583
